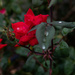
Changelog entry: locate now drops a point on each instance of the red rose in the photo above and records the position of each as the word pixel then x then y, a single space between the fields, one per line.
pixel 34 20
pixel 2 45
pixel 3 11
pixel 25 39
pixel 21 29
pixel 33 42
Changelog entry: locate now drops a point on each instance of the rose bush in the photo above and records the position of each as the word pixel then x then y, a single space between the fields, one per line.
pixel 42 48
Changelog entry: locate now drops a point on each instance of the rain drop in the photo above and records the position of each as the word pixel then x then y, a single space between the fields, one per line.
pixel 46 33
pixel 43 47
pixel 60 21
pixel 18 28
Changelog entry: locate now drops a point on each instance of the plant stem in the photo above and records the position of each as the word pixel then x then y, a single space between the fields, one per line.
pixel 59 41
pixel 40 64
pixel 50 71
pixel 51 17
pixel 37 53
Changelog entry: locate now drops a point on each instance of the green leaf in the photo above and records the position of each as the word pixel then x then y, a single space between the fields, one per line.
pixel 22 51
pixel 1 20
pixel 65 31
pixel 63 24
pixel 56 40
pixel 51 3
pixel 61 68
pixel 15 7
pixel 62 50
pixel 47 73
pixel 34 28
pixel 30 64
pixel 73 74
pixel 40 71
pixel 72 53
pixel 40 33
pixel 51 33
pixel 55 70
pixel 3 62
pixel 37 2
pixel 63 45
pixel 45 34
pixel 46 64
pixel 68 67
pixel 37 48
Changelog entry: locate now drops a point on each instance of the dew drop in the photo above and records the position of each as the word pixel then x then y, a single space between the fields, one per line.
pixel 60 21
pixel 43 47
pixel 18 28
pixel 46 33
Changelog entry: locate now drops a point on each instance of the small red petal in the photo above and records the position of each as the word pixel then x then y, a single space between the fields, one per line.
pixel 33 42
pixel 0 40
pixel 30 12
pixel 2 45
pixel 16 45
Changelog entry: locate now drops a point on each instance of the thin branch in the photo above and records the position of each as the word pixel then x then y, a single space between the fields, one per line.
pixel 50 71
pixel 59 41
pixel 40 64
pixel 51 16
pixel 37 53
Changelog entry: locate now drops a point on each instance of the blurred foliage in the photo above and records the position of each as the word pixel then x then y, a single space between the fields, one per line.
pixel 14 61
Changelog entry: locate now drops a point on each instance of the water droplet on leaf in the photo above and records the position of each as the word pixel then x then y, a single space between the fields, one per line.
pixel 43 47
pixel 46 33
pixel 60 21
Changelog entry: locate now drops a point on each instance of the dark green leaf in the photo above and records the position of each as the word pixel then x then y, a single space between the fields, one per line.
pixel 2 20
pixel 68 67
pixel 48 64
pixel 3 62
pixel 22 51
pixel 56 40
pixel 40 33
pixel 44 35
pixel 72 53
pixel 40 71
pixel 63 45
pixel 30 64
pixel 51 33
pixel 34 28
pixel 51 3
pixel 37 48
pixel 63 24
pixel 37 2
pixel 62 50
pixel 16 8
pixel 55 71
pixel 47 73
pixel 65 31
